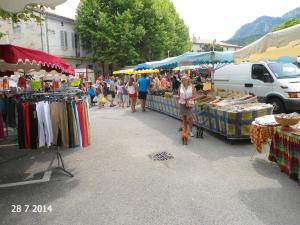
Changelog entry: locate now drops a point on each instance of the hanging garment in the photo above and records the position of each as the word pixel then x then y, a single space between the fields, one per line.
pixel 59 120
pixel 73 139
pixel 1 126
pixel 26 117
pixel 87 121
pixel 47 112
pixel 33 126
pixel 21 125
pixel 83 128
pixel 44 124
pixel 9 112
pixel 77 124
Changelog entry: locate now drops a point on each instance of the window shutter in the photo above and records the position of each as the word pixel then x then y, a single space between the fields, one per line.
pixel 66 40
pixel 73 41
pixel 62 40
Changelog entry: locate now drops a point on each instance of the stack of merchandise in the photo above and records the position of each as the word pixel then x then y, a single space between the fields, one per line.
pixel 229 113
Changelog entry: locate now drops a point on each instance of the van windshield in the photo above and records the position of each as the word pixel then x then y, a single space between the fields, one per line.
pixel 284 70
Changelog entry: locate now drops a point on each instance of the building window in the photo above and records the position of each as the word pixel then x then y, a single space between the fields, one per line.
pixel 63 40
pixel 16 27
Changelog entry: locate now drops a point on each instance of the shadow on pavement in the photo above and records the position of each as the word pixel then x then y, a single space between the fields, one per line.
pixel 21 164
pixel 264 202
pixel 36 194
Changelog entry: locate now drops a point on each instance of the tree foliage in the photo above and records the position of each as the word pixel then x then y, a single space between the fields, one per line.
pixel 210 47
pixel 131 31
pixel 27 14
pixel 287 24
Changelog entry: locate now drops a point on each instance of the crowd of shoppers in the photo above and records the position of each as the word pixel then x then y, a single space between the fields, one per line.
pixel 119 92
pixel 125 92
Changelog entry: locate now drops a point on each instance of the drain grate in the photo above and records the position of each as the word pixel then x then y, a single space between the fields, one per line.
pixel 161 156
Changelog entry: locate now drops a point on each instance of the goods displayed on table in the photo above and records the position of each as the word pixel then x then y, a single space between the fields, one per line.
pixel 285 151
pixel 227 113
pixel 268 120
pixel 288 119
pixel 262 131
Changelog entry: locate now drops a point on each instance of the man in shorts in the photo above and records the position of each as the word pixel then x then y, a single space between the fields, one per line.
pixel 143 86
pixel 112 90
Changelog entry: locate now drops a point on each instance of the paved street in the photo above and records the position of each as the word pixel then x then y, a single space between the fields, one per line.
pixel 210 181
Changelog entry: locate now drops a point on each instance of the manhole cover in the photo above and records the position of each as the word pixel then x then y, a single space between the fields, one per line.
pixel 161 156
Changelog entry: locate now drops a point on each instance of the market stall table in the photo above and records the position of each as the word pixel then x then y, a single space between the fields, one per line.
pixel 233 124
pixel 285 151
pixel 262 131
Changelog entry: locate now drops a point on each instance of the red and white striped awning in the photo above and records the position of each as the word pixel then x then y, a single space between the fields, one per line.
pixel 15 59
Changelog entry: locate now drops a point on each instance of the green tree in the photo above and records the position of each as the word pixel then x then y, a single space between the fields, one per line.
pixel 131 31
pixel 210 47
pixel 286 24
pixel 27 14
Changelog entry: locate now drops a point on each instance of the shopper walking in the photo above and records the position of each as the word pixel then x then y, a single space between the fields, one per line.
pixel 132 92
pixel 112 90
pixel 120 86
pixel 104 92
pixel 91 92
pixel 125 95
pixel 186 102
pixel 143 86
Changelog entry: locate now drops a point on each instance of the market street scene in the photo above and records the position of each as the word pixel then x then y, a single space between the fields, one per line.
pixel 149 112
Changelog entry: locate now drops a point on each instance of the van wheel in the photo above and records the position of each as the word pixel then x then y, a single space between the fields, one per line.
pixel 277 105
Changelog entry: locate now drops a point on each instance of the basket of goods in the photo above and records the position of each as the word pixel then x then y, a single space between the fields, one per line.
pixel 287 119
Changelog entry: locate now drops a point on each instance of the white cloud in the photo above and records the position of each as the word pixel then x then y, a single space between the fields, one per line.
pixel 213 18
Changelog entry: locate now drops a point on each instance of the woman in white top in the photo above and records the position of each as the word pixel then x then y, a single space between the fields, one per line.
pixel 186 95
pixel 132 92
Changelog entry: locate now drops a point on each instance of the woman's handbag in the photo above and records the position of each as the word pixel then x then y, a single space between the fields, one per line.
pixel 190 103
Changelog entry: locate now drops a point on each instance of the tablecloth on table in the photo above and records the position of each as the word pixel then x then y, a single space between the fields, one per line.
pixel 285 151
pixel 260 134
pixel 233 125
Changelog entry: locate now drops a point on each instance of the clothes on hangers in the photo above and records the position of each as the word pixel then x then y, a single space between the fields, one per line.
pixel 9 112
pixel 59 118
pixel 77 125
pixel 21 126
pixel 44 120
pixel 26 117
pixel 83 125
pixel 74 140
pixel 44 124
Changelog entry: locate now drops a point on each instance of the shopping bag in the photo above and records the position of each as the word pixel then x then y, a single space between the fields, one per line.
pixel 103 100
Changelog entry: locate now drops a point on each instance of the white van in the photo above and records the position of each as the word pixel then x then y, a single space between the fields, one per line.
pixel 272 82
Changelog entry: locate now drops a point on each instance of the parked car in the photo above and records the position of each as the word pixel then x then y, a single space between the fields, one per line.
pixel 272 82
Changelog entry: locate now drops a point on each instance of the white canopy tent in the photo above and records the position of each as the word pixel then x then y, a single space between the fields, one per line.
pixel 280 45
pixel 15 6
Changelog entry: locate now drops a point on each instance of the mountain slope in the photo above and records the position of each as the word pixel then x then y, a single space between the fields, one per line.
pixel 259 27
pixel 292 14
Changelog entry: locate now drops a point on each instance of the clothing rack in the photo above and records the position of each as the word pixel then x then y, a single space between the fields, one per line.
pixel 69 94
pixel 60 163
